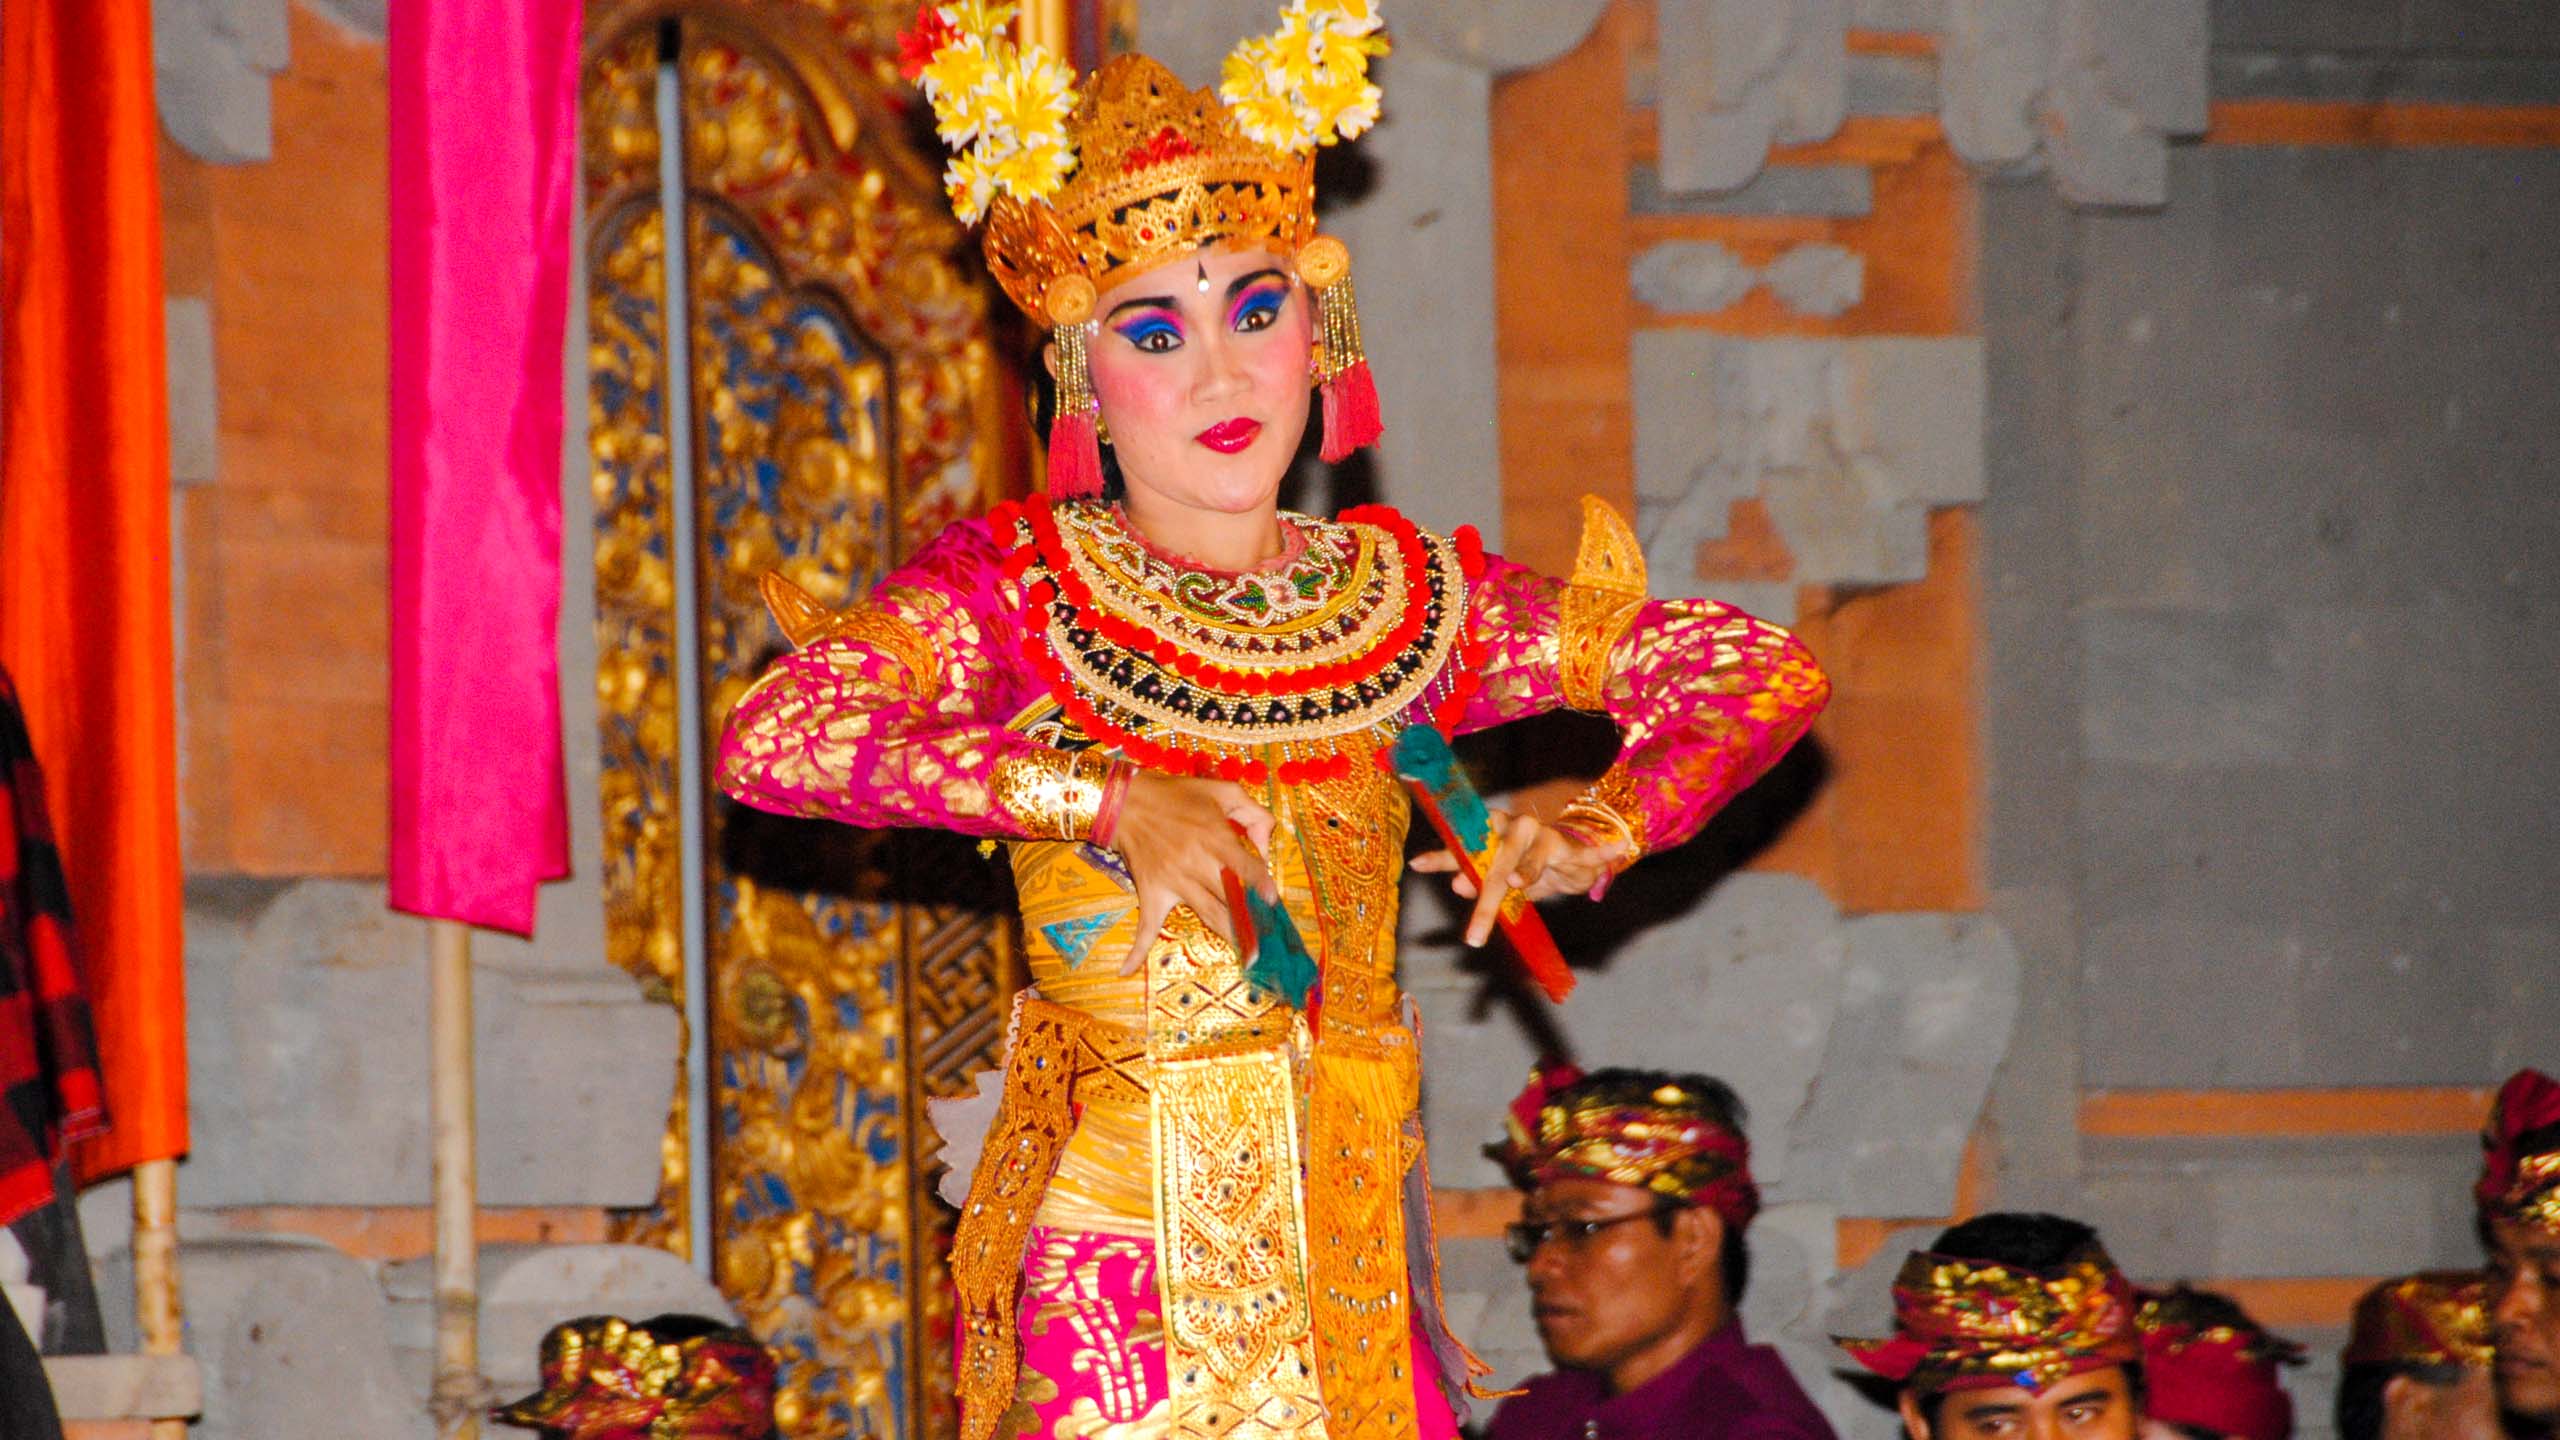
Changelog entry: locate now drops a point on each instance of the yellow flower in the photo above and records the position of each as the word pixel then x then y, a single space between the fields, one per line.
pixel 1359 17
pixel 972 185
pixel 1343 108
pixel 983 19
pixel 1032 96
pixel 1307 82
pixel 1261 108
pixel 1034 172
pixel 956 81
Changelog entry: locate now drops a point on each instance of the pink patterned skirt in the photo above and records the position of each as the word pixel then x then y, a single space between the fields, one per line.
pixel 1093 1346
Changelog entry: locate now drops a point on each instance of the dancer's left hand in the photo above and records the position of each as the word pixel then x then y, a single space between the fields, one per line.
pixel 1539 860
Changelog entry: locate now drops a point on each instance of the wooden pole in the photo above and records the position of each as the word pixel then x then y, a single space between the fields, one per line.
pixel 157 1308
pixel 458 1394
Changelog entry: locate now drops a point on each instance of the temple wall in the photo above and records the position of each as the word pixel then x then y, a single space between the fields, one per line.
pixel 2270 637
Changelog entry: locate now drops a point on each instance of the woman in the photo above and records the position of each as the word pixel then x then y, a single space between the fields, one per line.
pixel 1201 1206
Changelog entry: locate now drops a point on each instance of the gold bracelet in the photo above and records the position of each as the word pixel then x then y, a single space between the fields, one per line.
pixel 1592 817
pixel 1052 794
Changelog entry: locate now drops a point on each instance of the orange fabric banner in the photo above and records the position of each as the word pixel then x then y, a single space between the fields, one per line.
pixel 85 543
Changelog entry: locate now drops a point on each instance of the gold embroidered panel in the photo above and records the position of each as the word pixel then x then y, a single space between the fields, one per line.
pixel 846 404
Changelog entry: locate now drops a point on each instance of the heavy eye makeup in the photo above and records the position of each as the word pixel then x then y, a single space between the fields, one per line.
pixel 1153 326
pixel 1258 306
pixel 1151 331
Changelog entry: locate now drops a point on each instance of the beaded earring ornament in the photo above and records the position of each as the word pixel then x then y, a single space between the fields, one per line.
pixel 1082 185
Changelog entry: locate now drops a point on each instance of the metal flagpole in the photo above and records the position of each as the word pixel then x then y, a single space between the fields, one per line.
pixel 682 545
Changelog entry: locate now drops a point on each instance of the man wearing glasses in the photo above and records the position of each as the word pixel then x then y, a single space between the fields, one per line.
pixel 1638 1191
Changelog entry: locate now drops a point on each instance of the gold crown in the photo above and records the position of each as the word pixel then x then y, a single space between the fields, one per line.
pixel 1161 170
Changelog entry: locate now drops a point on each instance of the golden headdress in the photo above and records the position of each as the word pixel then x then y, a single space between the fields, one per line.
pixel 1083 185
pixel 1962 1323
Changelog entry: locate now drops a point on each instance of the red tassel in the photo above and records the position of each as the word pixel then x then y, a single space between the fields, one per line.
pixel 1075 458
pixel 1350 413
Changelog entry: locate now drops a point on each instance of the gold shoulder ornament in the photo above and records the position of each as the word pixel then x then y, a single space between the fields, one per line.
pixel 804 620
pixel 1600 601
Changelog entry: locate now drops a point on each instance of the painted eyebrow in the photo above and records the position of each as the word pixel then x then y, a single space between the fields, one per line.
pixel 1243 283
pixel 1143 302
pixel 1993 1411
pixel 1166 302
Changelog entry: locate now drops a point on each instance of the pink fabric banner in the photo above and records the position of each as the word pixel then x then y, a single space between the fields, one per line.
pixel 483 158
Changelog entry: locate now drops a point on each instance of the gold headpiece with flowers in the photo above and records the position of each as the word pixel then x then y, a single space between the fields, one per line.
pixel 1082 186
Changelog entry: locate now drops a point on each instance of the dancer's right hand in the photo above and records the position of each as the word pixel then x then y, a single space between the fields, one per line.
pixel 1177 833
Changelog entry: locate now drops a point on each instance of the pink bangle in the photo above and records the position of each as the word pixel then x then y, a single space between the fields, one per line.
pixel 1106 814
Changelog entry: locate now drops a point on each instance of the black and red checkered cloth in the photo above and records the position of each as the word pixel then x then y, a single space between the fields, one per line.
pixel 49 1093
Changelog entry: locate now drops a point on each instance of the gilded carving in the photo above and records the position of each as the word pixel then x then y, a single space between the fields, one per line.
pixel 843 377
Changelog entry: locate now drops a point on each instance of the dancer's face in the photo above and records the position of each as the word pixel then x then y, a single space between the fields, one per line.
pixel 1202 366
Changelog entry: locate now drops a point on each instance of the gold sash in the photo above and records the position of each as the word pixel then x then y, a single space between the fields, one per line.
pixel 1278 1157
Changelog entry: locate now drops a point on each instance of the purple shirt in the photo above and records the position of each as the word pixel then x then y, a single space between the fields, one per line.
pixel 1726 1389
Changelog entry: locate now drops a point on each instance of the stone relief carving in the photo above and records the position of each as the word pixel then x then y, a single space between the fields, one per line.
pixel 1701 277
pixel 2093 92
pixel 2090 92
pixel 1850 443
pixel 1738 76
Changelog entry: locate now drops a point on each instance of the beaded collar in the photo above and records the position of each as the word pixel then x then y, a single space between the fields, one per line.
pixel 1297 670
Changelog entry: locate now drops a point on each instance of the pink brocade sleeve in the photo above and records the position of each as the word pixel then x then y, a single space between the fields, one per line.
pixel 1705 696
pixel 896 715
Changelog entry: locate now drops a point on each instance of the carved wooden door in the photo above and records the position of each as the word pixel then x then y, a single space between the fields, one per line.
pixel 844 404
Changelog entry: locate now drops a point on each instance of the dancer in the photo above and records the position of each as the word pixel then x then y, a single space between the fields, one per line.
pixel 1201 1207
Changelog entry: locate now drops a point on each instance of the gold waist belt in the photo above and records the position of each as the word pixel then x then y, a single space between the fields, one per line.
pixel 1285 1302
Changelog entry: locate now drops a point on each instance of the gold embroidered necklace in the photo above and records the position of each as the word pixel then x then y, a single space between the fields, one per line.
pixel 1298 670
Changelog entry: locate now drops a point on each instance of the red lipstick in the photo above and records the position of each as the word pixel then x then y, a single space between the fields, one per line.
pixel 1230 437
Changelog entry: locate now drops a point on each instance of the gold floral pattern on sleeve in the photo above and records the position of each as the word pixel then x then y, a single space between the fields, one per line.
pixel 895 712
pixel 1705 696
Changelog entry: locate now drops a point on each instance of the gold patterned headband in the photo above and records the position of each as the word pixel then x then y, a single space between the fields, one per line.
pixel 1961 1323
pixel 2438 1317
pixel 1648 1131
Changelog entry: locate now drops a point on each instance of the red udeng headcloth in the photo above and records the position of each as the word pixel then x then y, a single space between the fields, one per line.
pixel 2520 1169
pixel 2207 1364
pixel 1652 1131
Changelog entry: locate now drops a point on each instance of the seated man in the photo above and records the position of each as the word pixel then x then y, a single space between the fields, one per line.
pixel 2417 1363
pixel 1638 1192
pixel 2519 1195
pixel 2012 1325
pixel 2209 1371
